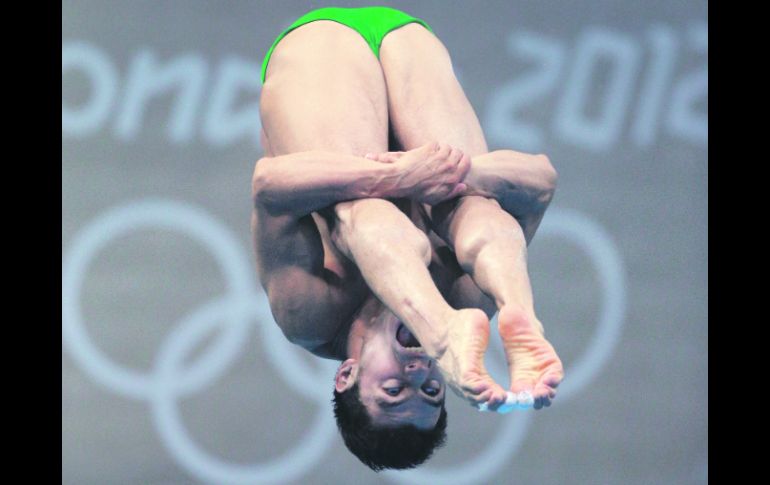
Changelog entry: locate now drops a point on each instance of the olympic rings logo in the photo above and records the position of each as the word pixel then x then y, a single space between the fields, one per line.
pixel 244 303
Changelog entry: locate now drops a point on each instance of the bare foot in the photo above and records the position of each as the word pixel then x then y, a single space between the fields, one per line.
pixel 462 363
pixel 532 362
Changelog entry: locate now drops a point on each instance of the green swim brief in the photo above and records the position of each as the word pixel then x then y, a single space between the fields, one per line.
pixel 371 22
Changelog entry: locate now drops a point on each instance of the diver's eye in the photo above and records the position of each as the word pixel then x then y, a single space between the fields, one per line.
pixel 431 391
pixel 393 391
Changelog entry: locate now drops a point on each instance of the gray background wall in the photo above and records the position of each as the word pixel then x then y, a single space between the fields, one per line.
pixel 172 371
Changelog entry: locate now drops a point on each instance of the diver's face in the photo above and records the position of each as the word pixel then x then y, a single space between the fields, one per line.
pixel 398 383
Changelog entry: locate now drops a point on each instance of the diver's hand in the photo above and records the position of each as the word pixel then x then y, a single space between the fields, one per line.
pixel 429 174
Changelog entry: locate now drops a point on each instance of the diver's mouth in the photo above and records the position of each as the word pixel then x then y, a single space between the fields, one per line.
pixel 406 339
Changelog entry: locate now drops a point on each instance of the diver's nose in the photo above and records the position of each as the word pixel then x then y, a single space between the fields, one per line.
pixel 418 368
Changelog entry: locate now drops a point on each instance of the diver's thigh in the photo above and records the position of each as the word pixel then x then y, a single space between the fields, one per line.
pixel 425 100
pixel 324 90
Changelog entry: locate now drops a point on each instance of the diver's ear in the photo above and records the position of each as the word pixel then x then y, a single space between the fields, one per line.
pixel 346 375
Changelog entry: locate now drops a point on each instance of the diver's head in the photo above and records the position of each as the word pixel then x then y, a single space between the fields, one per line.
pixel 389 397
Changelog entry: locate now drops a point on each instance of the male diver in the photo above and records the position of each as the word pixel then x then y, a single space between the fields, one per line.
pixel 386 234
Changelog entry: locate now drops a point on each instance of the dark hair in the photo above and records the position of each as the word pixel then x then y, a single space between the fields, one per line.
pixel 380 447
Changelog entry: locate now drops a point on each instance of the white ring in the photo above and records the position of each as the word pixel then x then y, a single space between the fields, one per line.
pixel 116 222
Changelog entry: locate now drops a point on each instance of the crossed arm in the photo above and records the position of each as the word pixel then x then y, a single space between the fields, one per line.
pixel 300 183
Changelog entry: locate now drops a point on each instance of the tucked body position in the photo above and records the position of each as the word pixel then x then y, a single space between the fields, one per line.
pixel 387 234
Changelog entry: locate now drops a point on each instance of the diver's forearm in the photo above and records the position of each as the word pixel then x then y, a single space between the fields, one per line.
pixel 304 182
